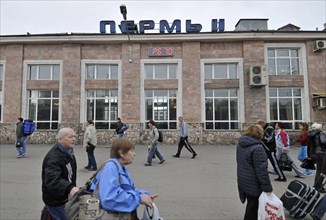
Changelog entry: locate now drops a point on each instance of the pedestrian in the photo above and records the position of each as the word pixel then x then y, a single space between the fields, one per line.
pixel 59 174
pixel 21 139
pixel 269 141
pixel 317 142
pixel 320 209
pixel 116 189
pixel 90 142
pixel 153 132
pixel 183 134
pixel 282 141
pixel 303 140
pixel 121 128
pixel 252 169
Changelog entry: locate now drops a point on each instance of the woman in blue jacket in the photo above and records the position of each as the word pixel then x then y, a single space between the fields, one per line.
pixel 252 170
pixel 116 189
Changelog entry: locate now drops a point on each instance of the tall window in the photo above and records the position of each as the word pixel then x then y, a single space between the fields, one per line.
pixel 43 108
pixel 43 72
pixel 161 71
pixel 161 106
pixel 283 61
pixel 221 70
pixel 221 109
pixel 286 106
pixel 102 108
pixel 101 71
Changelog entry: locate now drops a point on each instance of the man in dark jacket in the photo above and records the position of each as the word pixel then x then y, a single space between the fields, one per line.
pixel 270 148
pixel 317 144
pixel 121 128
pixel 20 138
pixel 59 174
pixel 252 170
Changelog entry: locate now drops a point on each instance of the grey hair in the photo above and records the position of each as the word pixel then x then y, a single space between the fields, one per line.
pixel 316 126
pixel 63 132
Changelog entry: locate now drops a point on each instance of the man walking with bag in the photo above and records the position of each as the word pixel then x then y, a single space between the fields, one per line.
pixel 20 142
pixel 183 133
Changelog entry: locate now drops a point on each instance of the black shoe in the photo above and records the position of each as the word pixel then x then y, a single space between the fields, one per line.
pixel 176 156
pixel 297 176
pixel 162 161
pixel 280 179
pixel 87 167
pixel 91 169
pixel 148 164
pixel 193 156
pixel 314 217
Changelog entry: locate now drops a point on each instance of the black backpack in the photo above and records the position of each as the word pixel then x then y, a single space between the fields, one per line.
pixel 160 136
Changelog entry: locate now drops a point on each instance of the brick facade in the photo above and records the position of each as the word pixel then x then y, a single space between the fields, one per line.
pixel 191 50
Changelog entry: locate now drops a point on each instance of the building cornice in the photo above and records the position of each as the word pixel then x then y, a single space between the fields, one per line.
pixel 172 38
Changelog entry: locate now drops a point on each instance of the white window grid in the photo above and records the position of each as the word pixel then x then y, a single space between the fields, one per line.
pixel 229 98
pixel 110 97
pixel 294 122
pixel 168 99
pixel 291 58
pixel 54 71
pixel 36 100
pixel 213 75
pixel 155 75
pixel 110 74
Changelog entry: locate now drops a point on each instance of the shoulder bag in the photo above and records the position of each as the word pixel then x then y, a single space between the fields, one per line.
pixel 85 205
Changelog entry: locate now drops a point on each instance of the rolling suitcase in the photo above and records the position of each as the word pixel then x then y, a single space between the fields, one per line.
pixel 299 199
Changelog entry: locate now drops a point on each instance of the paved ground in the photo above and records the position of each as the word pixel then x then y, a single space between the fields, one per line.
pixel 203 188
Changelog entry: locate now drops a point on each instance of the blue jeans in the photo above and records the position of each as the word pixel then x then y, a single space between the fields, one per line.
pixel 58 212
pixel 120 135
pixel 303 154
pixel 154 151
pixel 320 208
pixel 91 159
pixel 21 150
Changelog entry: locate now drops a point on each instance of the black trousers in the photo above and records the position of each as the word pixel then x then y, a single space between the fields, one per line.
pixel 251 208
pixel 318 158
pixel 184 142
pixel 272 158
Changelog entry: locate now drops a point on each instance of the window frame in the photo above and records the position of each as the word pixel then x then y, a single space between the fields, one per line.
pixel 304 71
pixel 178 90
pixel 83 97
pixel 37 105
pixel 240 74
pixel 26 63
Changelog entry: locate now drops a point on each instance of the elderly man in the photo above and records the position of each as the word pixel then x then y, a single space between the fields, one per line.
pixel 59 174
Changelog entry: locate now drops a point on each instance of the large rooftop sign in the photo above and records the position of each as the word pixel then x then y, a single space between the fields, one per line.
pixel 217 25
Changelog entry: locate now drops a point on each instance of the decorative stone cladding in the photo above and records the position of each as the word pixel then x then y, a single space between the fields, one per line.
pixel 138 135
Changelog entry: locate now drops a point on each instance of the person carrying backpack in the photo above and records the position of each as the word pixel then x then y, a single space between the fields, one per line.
pixel 20 142
pixel 154 135
pixel 121 128
pixel 317 143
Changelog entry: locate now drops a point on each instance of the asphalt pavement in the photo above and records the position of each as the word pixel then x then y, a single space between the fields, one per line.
pixel 204 188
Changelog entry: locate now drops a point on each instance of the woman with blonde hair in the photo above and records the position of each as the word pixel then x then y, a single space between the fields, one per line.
pixel 252 169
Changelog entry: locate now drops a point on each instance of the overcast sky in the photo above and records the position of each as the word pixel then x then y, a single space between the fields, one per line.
pixel 84 16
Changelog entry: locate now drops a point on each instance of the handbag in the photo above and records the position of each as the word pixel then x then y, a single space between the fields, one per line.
pixel 151 215
pixel 270 207
pixel 308 163
pixel 285 163
pixel 85 205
